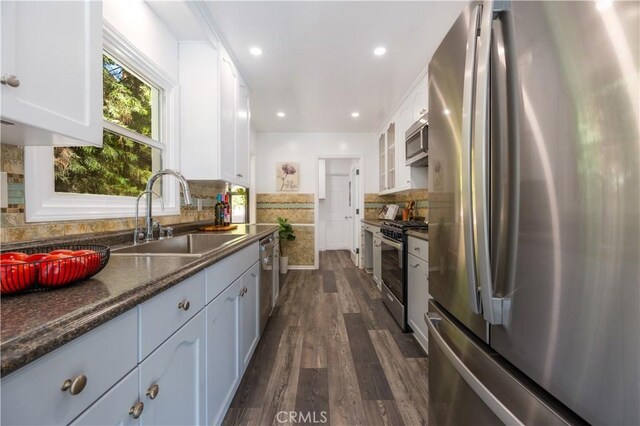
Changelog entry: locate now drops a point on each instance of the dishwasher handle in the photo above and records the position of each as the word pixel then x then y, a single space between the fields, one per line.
pixel 267 243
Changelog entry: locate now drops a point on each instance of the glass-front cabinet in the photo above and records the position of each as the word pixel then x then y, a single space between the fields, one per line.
pixel 387 151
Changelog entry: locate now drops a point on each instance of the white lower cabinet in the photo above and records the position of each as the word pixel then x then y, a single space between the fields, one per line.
pixel 120 406
pixel 172 380
pixel 377 260
pixel 191 358
pixel 56 388
pixel 249 314
pixel 223 351
pixel 418 297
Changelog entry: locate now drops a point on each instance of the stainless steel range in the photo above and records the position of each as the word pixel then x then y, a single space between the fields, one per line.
pixel 394 266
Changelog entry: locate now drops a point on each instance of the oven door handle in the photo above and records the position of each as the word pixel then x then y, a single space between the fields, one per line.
pixel 394 244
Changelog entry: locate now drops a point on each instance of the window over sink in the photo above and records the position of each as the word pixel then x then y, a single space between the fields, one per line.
pixel 140 102
pixel 132 149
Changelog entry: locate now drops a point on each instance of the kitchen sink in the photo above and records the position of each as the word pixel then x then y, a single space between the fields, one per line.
pixel 185 245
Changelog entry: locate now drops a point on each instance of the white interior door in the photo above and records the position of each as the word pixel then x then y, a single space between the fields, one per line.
pixel 339 216
pixel 354 202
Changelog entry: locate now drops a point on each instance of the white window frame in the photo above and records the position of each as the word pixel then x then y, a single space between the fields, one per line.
pixel 43 204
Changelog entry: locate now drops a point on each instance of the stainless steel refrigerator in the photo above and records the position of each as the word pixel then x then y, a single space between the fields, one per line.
pixel 534 215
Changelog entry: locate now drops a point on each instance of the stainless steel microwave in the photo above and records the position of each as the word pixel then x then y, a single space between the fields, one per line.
pixel 417 143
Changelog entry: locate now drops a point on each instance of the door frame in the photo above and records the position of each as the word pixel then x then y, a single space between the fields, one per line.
pixel 356 220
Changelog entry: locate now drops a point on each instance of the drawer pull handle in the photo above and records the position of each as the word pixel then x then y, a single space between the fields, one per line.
pixel 415 266
pixel 153 390
pixel 136 410
pixel 74 386
pixel 243 291
pixel 10 79
pixel 416 248
pixel 184 305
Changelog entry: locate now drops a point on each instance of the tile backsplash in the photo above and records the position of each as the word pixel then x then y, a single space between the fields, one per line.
pixel 299 209
pixel 373 203
pixel 14 228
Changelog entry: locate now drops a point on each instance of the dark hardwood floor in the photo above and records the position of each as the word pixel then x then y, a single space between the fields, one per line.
pixel 332 354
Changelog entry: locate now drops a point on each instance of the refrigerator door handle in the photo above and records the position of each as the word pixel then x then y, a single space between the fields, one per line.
pixel 494 404
pixel 467 134
pixel 492 307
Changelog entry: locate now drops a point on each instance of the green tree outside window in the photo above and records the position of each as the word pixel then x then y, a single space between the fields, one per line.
pixel 122 166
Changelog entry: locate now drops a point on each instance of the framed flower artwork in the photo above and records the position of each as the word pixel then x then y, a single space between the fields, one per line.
pixel 287 177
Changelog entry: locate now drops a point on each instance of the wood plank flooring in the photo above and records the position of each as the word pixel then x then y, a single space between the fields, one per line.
pixel 332 354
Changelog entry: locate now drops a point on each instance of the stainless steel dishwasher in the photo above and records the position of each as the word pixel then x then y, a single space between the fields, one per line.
pixel 266 279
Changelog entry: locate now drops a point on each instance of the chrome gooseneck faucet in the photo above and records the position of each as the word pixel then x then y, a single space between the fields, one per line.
pixel 186 194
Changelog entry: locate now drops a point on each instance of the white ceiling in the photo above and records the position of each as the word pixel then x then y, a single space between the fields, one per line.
pixel 318 64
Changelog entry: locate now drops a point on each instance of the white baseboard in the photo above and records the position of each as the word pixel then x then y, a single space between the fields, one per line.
pixel 302 267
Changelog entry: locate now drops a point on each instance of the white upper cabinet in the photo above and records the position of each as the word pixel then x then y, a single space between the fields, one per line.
pixel 419 100
pixel 242 135
pixel 214 115
pixel 382 153
pixel 199 94
pixel 403 177
pixel 51 71
pixel 228 94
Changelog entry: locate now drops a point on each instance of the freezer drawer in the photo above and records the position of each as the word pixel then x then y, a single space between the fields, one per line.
pixel 462 373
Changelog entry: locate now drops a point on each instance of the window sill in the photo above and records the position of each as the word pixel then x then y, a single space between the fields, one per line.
pixel 43 204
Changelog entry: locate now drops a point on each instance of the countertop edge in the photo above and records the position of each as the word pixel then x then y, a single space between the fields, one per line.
pixel 20 351
pixel 418 234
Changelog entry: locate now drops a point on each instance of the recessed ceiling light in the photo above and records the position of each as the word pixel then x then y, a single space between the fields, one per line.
pixel 255 51
pixel 446 111
pixel 603 4
pixel 355 114
pixel 379 51
pixel 280 114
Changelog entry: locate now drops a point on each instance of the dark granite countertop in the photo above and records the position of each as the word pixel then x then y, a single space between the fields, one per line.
pixel 374 222
pixel 422 234
pixel 35 324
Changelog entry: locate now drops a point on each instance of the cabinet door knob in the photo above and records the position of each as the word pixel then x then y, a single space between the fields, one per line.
pixel 136 410
pixel 74 386
pixel 10 80
pixel 153 390
pixel 239 175
pixel 184 305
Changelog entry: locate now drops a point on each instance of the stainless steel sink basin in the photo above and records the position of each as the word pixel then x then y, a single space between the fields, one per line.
pixel 185 245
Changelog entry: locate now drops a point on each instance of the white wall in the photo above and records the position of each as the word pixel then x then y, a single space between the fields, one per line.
pixel 305 148
pixel 138 24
